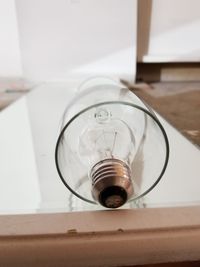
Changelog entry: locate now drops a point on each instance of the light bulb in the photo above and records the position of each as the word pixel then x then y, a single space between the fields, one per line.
pixel 111 143
pixel 105 137
pixel 106 147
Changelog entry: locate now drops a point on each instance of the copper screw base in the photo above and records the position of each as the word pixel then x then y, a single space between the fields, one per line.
pixel 111 183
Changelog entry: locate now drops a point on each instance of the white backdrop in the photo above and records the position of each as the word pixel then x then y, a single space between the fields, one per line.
pixel 169 31
pixel 10 61
pixel 58 39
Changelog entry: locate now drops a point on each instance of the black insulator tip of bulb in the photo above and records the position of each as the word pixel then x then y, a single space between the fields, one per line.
pixel 113 197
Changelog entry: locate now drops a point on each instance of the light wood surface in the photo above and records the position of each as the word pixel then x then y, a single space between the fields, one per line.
pixel 101 238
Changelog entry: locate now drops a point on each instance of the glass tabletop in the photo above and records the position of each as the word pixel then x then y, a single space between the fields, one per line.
pixel 29 182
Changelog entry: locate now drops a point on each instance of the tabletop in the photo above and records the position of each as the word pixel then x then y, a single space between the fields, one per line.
pixel 29 181
pixel 39 217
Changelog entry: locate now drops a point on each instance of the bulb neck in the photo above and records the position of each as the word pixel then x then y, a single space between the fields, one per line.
pixel 111 183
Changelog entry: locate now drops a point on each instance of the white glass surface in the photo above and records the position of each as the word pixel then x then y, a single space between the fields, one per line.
pixel 29 182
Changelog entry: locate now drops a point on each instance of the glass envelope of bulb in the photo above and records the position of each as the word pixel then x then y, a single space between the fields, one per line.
pixel 108 123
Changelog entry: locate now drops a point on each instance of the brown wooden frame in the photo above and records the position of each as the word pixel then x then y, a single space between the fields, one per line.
pixel 101 238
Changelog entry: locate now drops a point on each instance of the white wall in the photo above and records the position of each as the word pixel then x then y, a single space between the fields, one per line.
pixel 10 61
pixel 169 31
pixel 53 39
pixel 61 38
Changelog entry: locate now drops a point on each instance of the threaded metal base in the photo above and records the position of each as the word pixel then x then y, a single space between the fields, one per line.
pixel 111 183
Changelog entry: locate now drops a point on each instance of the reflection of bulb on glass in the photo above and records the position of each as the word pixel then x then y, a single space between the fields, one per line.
pixel 112 148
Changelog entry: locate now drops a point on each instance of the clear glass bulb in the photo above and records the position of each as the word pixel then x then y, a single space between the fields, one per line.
pixel 112 147
pixel 101 139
